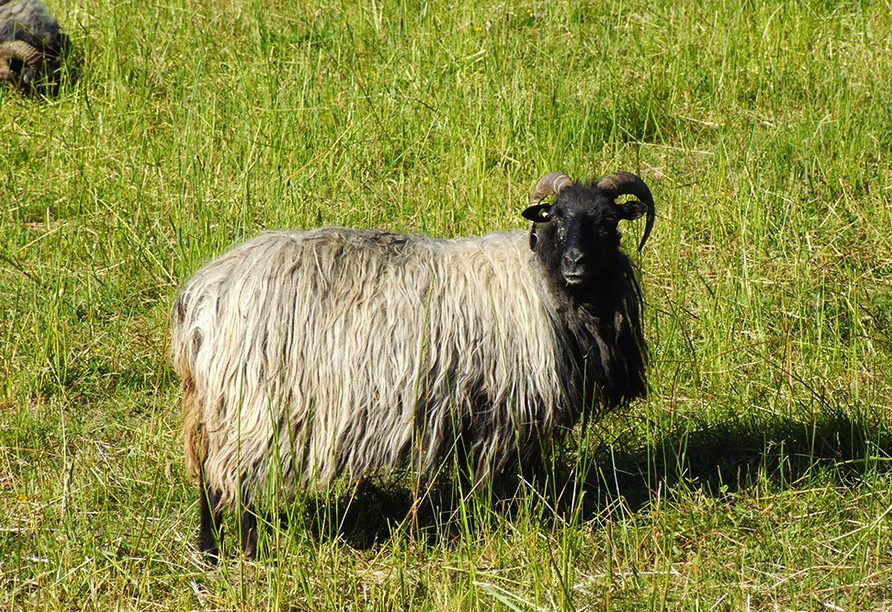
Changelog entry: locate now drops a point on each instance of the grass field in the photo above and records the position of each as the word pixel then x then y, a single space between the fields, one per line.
pixel 756 476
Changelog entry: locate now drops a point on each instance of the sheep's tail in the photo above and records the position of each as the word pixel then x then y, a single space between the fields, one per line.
pixel 194 439
pixel 194 436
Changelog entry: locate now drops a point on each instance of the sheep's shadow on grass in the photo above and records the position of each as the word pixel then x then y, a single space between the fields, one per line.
pixel 376 512
pixel 726 458
pixel 719 460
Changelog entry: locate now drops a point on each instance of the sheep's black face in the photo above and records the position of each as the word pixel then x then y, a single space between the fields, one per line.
pixel 576 237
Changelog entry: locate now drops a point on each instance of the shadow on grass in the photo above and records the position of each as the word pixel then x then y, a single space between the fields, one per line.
pixel 731 456
pixel 374 513
pixel 719 459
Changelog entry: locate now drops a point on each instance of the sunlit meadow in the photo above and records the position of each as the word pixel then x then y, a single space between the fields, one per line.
pixel 756 475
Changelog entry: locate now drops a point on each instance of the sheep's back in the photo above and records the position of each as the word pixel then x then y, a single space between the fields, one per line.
pixel 29 20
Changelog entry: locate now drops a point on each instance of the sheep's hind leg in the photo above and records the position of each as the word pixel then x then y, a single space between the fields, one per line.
pixel 210 536
pixel 249 532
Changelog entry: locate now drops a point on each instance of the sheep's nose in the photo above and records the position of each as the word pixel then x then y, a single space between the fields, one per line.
pixel 575 258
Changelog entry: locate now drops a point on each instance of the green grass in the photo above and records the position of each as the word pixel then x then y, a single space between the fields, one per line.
pixel 755 476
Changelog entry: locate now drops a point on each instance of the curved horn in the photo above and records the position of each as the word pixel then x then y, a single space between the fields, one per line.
pixel 20 50
pixel 550 184
pixel 626 183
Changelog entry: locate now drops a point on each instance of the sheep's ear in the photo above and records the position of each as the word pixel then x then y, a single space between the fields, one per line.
pixel 631 210
pixel 540 213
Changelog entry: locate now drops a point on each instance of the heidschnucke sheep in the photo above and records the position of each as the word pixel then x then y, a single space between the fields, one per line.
pixel 309 356
pixel 32 46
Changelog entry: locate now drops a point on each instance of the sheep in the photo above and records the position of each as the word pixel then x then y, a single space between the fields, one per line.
pixel 309 356
pixel 32 47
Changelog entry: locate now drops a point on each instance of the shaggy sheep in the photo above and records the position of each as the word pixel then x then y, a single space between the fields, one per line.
pixel 32 46
pixel 306 356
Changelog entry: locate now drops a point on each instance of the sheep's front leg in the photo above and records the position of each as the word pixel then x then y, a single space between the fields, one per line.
pixel 249 532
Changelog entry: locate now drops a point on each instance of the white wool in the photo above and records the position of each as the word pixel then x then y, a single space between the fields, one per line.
pixel 310 355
